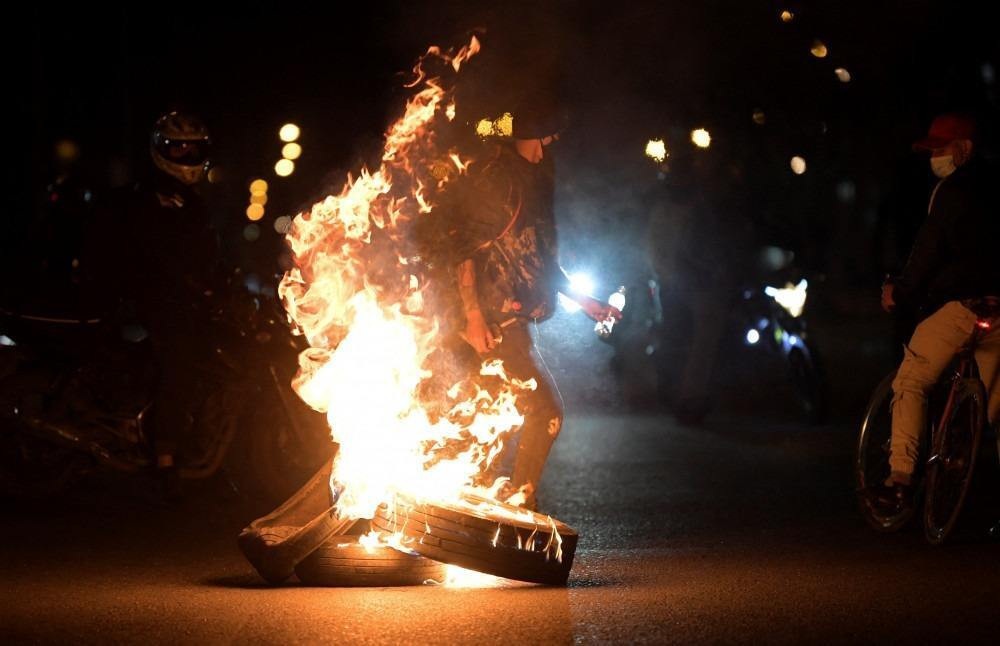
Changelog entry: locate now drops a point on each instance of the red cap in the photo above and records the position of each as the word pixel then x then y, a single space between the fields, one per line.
pixel 946 129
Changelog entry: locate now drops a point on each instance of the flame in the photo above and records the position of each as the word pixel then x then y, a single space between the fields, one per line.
pixel 462 166
pixel 370 541
pixel 375 540
pixel 554 545
pixel 457 577
pixel 362 308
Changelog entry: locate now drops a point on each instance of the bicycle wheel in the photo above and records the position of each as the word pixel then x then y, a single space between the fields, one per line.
pixel 953 459
pixel 871 462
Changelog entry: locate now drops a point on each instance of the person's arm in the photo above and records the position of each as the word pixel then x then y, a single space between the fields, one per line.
pixel 477 333
pixel 927 254
pixel 592 307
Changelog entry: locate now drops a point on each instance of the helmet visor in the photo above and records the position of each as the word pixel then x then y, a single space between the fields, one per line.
pixel 186 152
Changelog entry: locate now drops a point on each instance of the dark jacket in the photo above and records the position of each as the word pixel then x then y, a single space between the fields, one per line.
pixel 503 219
pixel 154 249
pixel 957 252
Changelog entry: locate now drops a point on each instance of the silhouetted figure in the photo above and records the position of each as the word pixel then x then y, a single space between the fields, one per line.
pixel 154 251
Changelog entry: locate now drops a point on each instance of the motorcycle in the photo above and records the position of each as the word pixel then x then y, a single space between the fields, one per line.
pixel 767 314
pixel 771 320
pixel 76 396
pixel 633 340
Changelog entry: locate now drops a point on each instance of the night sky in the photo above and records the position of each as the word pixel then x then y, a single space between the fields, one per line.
pixel 625 72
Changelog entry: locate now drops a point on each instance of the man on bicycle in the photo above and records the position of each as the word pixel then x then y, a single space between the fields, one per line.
pixel 951 273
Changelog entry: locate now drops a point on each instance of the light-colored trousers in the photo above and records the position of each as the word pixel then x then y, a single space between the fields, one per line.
pixel 931 348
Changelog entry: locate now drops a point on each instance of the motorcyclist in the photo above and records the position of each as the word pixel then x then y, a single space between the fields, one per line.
pixel 155 251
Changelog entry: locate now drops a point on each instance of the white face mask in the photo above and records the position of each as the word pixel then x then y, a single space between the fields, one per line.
pixel 943 166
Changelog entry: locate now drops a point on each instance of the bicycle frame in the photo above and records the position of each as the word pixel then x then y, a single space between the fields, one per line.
pixel 964 369
pixel 950 472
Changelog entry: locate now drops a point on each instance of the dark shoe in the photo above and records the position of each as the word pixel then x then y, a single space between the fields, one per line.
pixel 893 499
pixel 168 481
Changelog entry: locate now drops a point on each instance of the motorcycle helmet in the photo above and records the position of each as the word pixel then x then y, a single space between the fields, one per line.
pixel 180 146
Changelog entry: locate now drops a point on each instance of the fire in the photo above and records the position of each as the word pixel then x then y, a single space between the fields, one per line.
pixel 356 296
pixel 374 541
pixel 457 577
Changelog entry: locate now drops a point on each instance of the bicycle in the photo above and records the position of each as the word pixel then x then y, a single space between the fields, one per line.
pixel 957 415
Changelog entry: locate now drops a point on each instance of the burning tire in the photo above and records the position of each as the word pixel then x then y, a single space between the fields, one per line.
pixel 342 562
pixel 486 536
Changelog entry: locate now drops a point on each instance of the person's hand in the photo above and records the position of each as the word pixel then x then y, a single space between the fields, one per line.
pixel 597 310
pixel 888 300
pixel 477 333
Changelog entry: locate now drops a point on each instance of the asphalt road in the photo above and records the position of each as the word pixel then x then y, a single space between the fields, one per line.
pixel 737 532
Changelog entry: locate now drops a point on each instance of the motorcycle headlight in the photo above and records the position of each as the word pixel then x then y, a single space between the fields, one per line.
pixel 617 300
pixel 791 297
pixel 7 341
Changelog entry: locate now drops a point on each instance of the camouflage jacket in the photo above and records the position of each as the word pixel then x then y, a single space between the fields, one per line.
pixel 503 219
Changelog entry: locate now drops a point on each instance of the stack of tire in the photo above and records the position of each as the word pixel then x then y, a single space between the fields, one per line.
pixel 476 533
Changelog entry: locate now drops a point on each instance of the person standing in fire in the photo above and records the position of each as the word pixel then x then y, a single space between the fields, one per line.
pixel 507 272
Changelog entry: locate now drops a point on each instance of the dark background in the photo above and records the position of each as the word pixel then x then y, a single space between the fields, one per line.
pixel 625 71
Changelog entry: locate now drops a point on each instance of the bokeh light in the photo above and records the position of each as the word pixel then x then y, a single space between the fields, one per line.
pixel 255 212
pixel 656 150
pixel 289 132
pixel 701 138
pixel 284 167
pixel 291 151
